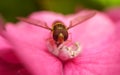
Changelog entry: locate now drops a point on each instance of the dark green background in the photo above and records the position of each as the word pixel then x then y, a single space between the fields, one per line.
pixel 13 8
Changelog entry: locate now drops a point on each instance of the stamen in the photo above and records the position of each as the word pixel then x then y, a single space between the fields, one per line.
pixel 64 51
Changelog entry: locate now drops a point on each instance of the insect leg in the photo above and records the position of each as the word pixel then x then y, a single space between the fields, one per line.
pixel 52 47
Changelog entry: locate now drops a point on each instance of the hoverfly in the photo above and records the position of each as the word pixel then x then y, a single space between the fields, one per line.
pixel 60 31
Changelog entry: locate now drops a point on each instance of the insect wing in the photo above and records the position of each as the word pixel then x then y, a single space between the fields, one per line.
pixel 2 23
pixel 34 22
pixel 84 15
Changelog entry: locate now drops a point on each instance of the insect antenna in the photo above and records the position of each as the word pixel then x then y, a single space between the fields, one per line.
pixel 34 22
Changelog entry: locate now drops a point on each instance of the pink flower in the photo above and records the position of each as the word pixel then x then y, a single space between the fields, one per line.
pixel 9 63
pixel 97 36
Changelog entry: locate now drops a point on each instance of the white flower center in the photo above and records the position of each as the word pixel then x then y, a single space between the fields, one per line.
pixel 65 51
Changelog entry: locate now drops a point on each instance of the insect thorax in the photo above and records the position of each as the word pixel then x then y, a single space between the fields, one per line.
pixel 59 31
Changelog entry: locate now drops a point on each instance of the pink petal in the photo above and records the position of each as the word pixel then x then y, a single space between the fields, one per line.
pixel 12 69
pixel 118 29
pixel 8 68
pixel 3 44
pixel 30 45
pixel 113 13
pixel 93 33
pixel 100 54
pixel 6 52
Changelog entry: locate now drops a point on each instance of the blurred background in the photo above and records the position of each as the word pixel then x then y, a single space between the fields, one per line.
pixel 10 9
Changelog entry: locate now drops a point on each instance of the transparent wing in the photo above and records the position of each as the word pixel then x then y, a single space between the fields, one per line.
pixel 34 22
pixel 84 15
pixel 2 22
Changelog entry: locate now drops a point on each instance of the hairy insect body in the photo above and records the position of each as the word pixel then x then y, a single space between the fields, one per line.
pixel 60 33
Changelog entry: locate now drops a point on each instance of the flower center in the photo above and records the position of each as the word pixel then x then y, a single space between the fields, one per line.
pixel 65 51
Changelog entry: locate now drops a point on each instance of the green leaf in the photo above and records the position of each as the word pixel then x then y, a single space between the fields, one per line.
pixel 13 8
pixel 110 3
pixel 69 6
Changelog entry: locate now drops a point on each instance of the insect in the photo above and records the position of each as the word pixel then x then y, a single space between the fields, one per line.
pixel 60 31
